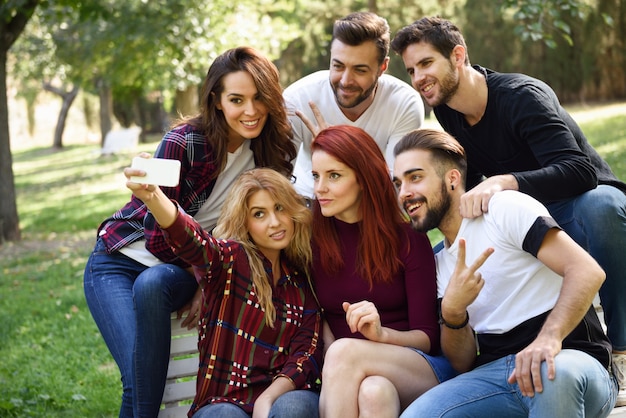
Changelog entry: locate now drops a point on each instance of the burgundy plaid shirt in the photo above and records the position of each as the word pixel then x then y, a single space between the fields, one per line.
pixel 134 222
pixel 239 354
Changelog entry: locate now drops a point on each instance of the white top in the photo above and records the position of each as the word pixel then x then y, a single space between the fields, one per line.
pixel 396 110
pixel 236 162
pixel 517 285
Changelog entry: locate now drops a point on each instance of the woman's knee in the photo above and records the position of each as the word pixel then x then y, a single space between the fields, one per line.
pixel 376 392
pixel 154 282
pixel 341 353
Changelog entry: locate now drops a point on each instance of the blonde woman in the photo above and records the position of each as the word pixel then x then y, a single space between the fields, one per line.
pixel 259 322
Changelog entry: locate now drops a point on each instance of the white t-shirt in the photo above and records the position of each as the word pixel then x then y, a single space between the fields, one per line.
pixel 396 110
pixel 236 163
pixel 240 160
pixel 517 285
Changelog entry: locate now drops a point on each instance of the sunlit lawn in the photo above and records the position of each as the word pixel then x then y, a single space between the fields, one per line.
pixel 54 362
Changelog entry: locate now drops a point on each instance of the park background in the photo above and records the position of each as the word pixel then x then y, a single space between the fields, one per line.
pixel 80 69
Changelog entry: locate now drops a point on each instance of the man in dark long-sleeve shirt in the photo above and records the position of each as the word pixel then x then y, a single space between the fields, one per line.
pixel 518 136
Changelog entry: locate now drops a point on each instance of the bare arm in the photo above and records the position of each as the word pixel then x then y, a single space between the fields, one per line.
pixel 582 277
pixel 161 207
pixel 264 402
pixel 459 345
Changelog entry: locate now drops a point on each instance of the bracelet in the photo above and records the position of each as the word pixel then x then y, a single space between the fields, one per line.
pixel 448 325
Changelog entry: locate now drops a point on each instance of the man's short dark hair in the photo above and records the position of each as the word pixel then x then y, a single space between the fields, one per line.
pixel 442 34
pixel 446 151
pixel 359 27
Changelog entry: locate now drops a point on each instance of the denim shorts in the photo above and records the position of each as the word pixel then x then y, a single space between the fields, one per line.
pixel 441 366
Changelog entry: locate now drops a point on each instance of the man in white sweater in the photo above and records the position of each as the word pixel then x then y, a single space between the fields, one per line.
pixel 354 91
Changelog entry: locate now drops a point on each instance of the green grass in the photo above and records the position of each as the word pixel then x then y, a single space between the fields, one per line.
pixel 54 362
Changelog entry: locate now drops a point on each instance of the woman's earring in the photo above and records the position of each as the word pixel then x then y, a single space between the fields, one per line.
pixel 452 186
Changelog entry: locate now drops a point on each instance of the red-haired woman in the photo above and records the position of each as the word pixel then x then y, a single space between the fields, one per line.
pixel 375 279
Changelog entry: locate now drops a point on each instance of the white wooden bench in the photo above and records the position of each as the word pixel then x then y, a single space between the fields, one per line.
pixel 619 411
pixel 180 387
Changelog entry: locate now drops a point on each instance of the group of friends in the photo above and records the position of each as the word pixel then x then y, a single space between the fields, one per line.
pixel 296 243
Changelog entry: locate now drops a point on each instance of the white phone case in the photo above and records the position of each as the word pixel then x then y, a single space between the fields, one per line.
pixel 159 171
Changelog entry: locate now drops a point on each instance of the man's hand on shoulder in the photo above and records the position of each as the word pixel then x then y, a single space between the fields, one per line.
pixel 476 201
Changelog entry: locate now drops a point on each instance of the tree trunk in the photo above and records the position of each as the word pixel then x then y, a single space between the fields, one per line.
pixel 106 108
pixel 186 101
pixel 68 98
pixel 9 220
pixel 11 26
pixel 372 6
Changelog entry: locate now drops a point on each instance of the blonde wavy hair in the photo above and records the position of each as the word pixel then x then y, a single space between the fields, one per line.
pixel 232 224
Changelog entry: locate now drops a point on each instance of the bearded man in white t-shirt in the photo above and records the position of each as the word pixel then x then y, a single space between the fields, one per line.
pixel 518 323
pixel 355 91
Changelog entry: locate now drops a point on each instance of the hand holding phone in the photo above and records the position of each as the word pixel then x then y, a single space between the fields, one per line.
pixel 159 171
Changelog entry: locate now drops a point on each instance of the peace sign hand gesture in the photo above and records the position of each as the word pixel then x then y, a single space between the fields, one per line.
pixel 464 286
pixel 319 119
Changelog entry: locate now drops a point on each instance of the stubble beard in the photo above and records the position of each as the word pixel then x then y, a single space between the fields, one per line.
pixel 435 213
pixel 357 100
pixel 449 86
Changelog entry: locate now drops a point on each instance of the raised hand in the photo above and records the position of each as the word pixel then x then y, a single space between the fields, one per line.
pixel 162 208
pixel 145 192
pixel 319 119
pixel 464 286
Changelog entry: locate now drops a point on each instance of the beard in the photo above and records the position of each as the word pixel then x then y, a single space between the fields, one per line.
pixel 355 101
pixel 435 213
pixel 448 87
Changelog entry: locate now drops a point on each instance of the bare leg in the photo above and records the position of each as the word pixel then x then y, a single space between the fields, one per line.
pixel 349 361
pixel 378 398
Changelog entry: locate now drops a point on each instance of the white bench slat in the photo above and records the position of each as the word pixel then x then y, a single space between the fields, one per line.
pixel 182 368
pixel 619 411
pixel 179 391
pixel 174 412
pixel 178 330
pixel 184 343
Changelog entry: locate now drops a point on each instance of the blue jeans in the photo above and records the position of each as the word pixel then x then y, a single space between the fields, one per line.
pixel 131 305
pixel 293 404
pixel 582 388
pixel 596 220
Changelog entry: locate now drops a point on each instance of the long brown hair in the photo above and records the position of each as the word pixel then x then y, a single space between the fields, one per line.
pixel 232 225
pixel 379 247
pixel 274 147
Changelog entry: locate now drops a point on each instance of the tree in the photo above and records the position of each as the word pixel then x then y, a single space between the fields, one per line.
pixel 14 16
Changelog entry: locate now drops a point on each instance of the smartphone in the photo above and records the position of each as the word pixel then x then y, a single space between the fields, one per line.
pixel 159 171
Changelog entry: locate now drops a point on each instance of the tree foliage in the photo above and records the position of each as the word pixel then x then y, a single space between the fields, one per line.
pixel 139 56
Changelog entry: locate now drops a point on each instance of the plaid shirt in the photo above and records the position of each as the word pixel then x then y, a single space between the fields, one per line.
pixel 134 222
pixel 239 354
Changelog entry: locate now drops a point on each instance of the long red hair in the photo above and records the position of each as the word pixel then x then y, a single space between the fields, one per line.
pixel 381 216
